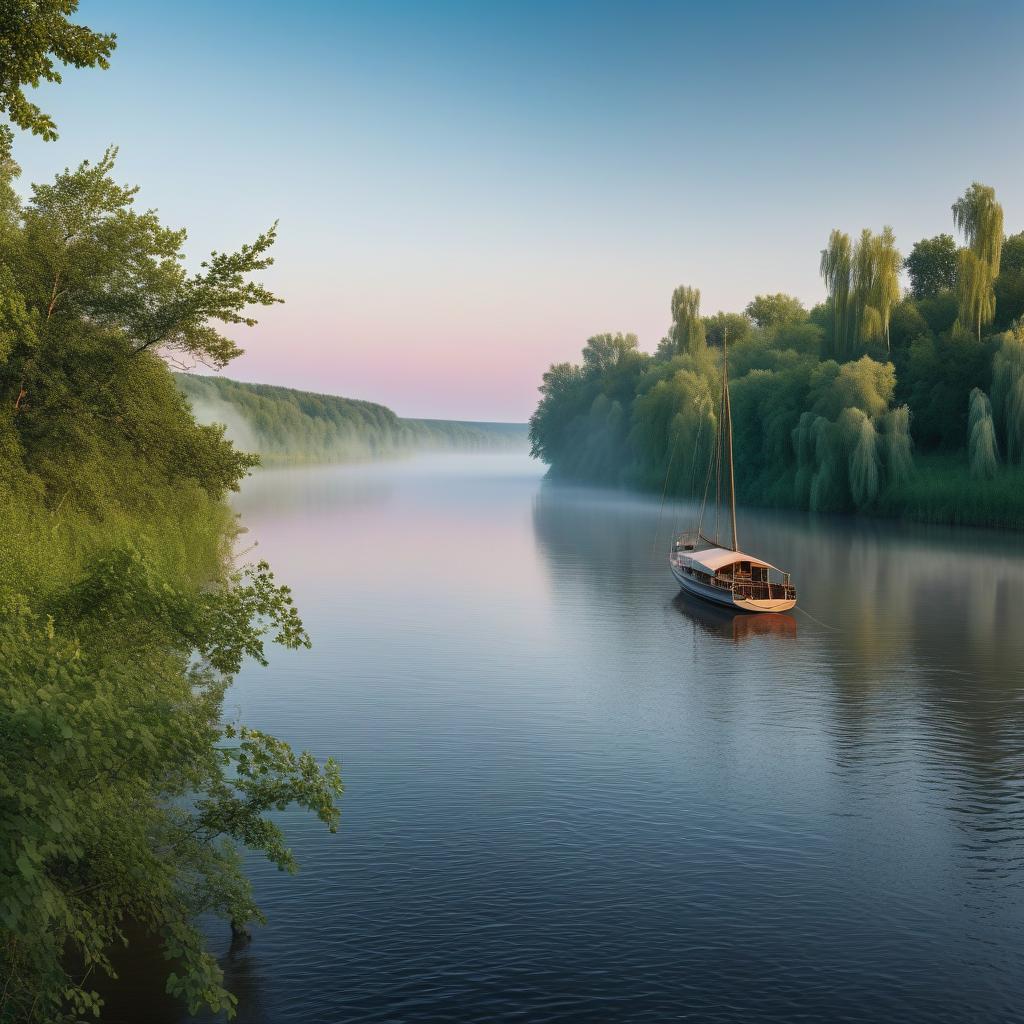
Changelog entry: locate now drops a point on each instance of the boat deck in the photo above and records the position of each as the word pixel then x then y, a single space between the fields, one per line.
pixel 733 579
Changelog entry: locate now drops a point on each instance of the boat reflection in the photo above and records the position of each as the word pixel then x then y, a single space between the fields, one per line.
pixel 734 625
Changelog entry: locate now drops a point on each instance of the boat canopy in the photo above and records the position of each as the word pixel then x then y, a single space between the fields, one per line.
pixel 713 559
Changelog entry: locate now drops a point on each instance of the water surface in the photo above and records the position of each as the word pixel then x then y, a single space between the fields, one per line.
pixel 573 796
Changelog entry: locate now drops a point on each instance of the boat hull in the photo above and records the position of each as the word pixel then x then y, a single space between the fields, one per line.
pixel 725 598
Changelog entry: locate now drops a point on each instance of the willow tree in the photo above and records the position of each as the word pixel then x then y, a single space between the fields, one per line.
pixel 975 295
pixel 1008 393
pixel 864 466
pixel 875 285
pixel 982 447
pixel 687 333
pixel 977 214
pixel 836 269
pixel 979 218
pixel 829 488
pixel 886 286
pixel 803 449
pixel 898 445
pixel 867 320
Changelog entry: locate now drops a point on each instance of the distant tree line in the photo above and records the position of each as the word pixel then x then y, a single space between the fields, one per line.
pixel 878 399
pixel 283 424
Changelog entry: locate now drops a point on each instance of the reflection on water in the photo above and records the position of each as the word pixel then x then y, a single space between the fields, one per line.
pixel 734 625
pixel 573 795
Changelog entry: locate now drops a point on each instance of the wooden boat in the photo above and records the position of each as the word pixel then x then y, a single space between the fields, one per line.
pixel 711 570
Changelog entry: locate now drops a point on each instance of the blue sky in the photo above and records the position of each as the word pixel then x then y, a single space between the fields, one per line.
pixel 468 191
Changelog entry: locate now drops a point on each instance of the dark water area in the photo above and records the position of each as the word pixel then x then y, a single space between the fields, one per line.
pixel 572 795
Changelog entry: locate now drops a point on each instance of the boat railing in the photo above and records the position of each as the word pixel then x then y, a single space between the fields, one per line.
pixel 742 586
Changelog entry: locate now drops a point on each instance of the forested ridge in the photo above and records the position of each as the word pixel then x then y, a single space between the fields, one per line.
pixel 287 425
pixel 126 799
pixel 879 400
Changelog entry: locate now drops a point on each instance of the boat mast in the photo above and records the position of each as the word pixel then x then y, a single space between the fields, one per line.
pixel 728 424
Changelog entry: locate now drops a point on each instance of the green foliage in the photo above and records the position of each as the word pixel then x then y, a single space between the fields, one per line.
pixel 604 352
pixel 940 373
pixel 974 292
pixel 897 446
pixel 932 266
pixel 863 287
pixel 837 270
pixel 823 435
pixel 582 421
pixel 36 35
pixel 885 283
pixel 124 796
pixel 1008 392
pixel 1009 285
pixel 942 490
pixel 939 312
pixel 686 336
pixel 849 441
pixel 861 438
pixel 1012 258
pixel 737 325
pixel 85 255
pixel 980 218
pixel 835 408
pixel 283 425
pixel 982 448
pixel 829 491
pixel 865 385
pixel 775 310
pixel 674 425
pixel 977 214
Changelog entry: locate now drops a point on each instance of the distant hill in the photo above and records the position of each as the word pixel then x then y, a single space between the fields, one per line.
pixel 285 425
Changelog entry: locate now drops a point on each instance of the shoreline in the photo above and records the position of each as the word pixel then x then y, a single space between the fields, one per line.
pixel 933 513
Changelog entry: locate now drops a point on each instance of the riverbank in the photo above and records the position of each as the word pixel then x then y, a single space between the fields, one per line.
pixel 941 491
pixel 124 617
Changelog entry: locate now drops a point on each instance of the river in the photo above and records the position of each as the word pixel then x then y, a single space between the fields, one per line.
pixel 573 796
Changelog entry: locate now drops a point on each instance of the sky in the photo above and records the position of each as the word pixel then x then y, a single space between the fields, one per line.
pixel 468 191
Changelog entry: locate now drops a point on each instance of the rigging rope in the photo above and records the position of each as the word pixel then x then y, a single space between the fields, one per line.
pixel 712 464
pixel 668 471
pixel 664 491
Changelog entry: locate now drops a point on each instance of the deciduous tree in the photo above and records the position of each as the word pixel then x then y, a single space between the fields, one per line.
pixel 36 36
pixel 775 310
pixel 932 266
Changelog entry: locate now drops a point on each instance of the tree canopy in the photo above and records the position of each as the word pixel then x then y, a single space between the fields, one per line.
pixel 35 37
pixel 932 266
pixel 124 794
pixel 775 310
pixel 846 407
pixel 687 331
pixel 980 218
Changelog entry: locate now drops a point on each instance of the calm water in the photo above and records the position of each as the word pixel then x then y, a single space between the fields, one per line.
pixel 570 796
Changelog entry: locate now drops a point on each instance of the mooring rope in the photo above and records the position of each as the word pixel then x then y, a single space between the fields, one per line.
pixel 825 625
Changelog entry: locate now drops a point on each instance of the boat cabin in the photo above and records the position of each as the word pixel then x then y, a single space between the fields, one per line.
pixel 746 577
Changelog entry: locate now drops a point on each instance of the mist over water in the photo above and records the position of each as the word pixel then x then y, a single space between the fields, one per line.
pixel 572 795
pixel 288 427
